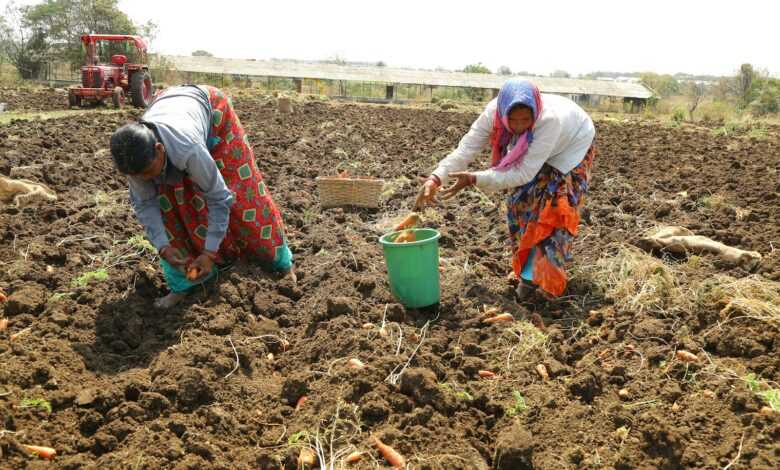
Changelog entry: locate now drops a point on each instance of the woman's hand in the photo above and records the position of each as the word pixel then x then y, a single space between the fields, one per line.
pixel 201 267
pixel 173 257
pixel 465 179
pixel 427 194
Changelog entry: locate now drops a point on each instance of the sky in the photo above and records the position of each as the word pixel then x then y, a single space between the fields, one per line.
pixel 663 36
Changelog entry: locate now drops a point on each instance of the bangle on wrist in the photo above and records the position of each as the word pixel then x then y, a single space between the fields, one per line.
pixel 435 179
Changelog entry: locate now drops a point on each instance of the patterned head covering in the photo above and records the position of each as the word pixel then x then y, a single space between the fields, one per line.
pixel 513 93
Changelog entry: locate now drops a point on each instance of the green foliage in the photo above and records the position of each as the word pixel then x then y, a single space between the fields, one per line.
pixel 770 395
pixel 560 74
pixel 296 437
pixel 678 115
pixel 51 30
pixel 767 97
pixel 36 403
pixel 202 53
pixel 476 68
pixel 459 394
pixel 138 241
pixel 664 85
pixel 504 70
pixel 98 275
pixel 519 406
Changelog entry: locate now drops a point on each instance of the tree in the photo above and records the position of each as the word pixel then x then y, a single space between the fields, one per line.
pixel 664 85
pixel 202 53
pixel 23 46
pixel 60 23
pixel 695 91
pixel 560 74
pixel 745 80
pixel 476 68
pixel 381 63
pixel 504 70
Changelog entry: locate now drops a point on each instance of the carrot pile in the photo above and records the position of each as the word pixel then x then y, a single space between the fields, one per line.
pixel 407 236
pixel 405 226
pixel 411 220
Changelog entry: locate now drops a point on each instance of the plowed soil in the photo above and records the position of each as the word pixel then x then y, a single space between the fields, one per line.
pixel 21 99
pixel 217 382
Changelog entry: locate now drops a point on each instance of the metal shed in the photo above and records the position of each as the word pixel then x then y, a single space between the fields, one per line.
pixel 393 77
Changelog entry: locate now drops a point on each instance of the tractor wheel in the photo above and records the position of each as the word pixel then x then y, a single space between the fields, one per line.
pixel 141 89
pixel 73 99
pixel 118 97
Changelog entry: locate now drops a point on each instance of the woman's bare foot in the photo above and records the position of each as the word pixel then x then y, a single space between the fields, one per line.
pixel 291 274
pixel 169 300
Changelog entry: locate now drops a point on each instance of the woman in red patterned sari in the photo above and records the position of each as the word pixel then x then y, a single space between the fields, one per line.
pixel 196 189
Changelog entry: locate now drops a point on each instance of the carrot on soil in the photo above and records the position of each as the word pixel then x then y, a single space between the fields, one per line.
pixel 300 402
pixel 486 374
pixel 499 318
pixel 395 459
pixel 542 371
pixel 40 451
pixel 3 324
pixel 354 457
pixel 686 356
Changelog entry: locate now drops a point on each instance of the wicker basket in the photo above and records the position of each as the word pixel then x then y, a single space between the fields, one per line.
pixel 361 192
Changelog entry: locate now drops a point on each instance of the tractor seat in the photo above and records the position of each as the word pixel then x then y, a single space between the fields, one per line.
pixel 118 59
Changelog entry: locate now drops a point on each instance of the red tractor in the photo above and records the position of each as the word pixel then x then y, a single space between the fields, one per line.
pixel 116 80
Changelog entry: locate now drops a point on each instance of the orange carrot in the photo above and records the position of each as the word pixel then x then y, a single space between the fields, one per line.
pixel 3 324
pixel 499 318
pixel 3 298
pixel 395 459
pixel 306 458
pixel 405 237
pixel 410 221
pixel 490 311
pixel 42 452
pixel 19 333
pixel 354 457
pixel 542 371
pixel 486 374
pixel 686 356
pixel 193 273
pixel 300 402
pixel 356 364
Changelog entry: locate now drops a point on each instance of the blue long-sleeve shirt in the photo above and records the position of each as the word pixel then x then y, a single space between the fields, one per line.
pixel 183 119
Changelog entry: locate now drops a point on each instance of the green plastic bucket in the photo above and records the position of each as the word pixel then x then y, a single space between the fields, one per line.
pixel 413 268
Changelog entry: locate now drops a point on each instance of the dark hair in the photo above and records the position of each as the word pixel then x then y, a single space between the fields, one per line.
pixel 132 147
pixel 520 106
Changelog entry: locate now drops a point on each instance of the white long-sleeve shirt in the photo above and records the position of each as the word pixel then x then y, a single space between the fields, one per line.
pixel 183 116
pixel 562 136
